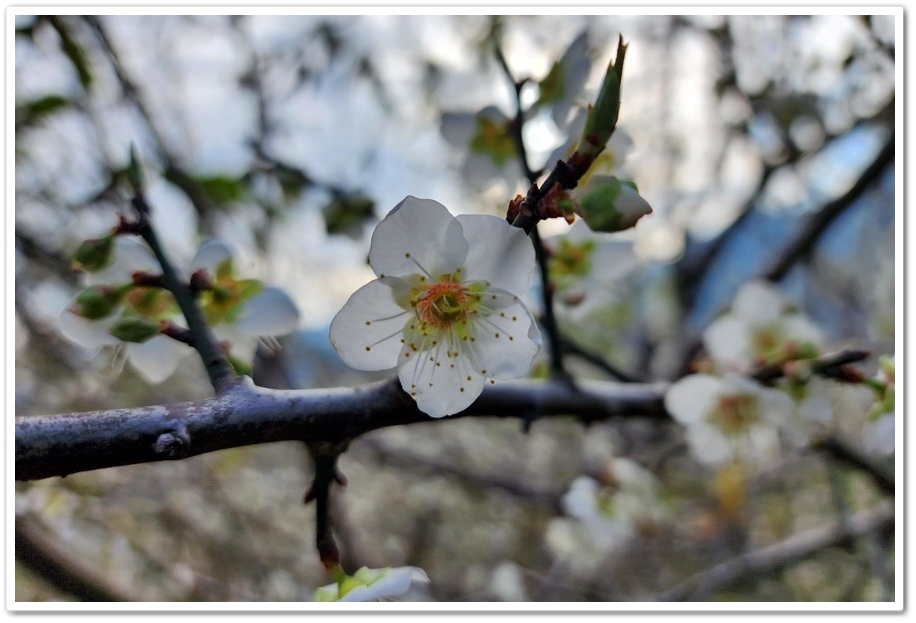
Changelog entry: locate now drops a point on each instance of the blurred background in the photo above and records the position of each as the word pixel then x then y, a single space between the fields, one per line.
pixel 289 137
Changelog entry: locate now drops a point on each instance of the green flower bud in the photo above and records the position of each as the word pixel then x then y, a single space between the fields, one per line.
pixel 97 302
pixel 602 116
pixel 135 171
pixel 608 204
pixel 136 329
pixel 94 255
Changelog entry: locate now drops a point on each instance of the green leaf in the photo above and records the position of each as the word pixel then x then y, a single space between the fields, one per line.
pixel 31 113
pixel 221 189
pixel 73 50
pixel 347 212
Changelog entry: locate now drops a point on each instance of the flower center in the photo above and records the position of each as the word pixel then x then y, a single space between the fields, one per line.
pixel 734 414
pixel 443 303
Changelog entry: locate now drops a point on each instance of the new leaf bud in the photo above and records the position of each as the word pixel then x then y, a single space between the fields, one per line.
pixel 602 116
pixel 94 255
pixel 136 329
pixel 97 302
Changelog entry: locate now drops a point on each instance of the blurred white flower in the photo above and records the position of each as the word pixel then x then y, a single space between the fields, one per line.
pixel 761 327
pixel 731 418
pixel 626 502
pixel 486 139
pixel 372 584
pixel 445 308
pixel 239 311
pixel 585 265
pixel 561 89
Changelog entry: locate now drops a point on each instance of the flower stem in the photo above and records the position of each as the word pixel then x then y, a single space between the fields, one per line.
pixel 554 349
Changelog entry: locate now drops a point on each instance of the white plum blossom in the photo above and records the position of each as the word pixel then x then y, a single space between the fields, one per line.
pixel 445 308
pixel 246 312
pixel 761 327
pixel 561 89
pixel 372 584
pixel 486 137
pixel 625 502
pixel 589 267
pixel 729 418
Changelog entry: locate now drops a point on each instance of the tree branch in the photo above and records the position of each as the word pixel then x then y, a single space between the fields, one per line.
pixel 57 445
pixel 774 557
pixel 811 232
pixel 847 454
pixel 39 553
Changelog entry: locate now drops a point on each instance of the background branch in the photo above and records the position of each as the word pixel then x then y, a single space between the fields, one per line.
pixel 773 558
pixel 44 556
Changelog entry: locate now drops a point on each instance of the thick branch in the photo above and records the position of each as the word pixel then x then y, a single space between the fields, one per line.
pixel 57 445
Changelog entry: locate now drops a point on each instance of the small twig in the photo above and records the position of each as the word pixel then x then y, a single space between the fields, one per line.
pixel 843 452
pixel 571 348
pixel 830 366
pixel 805 240
pixel 221 373
pixel 324 457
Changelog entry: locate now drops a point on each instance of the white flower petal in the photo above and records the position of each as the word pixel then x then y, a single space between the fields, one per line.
pixel 458 128
pixel 270 312
pixel 503 347
pixel 417 236
pixel 500 253
pixel 88 333
pixel 728 342
pixel 210 255
pixel 130 256
pixel 690 399
pixel 758 303
pixel 800 329
pixel 479 169
pixel 157 358
pixel 760 445
pixel 579 501
pixel 242 346
pixel 367 332
pixel 708 444
pixel 440 379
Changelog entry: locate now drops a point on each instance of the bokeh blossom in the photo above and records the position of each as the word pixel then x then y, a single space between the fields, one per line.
pixel 372 584
pixel 239 311
pixel 625 501
pixel 486 139
pixel 561 88
pixel 445 308
pixel 761 327
pixel 730 418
